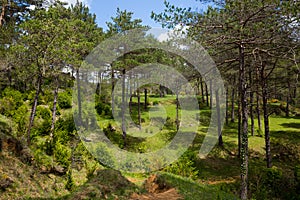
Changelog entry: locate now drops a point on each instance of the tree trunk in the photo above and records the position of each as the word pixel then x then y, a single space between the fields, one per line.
pixel 258 104
pixel 219 118
pixel 239 128
pixel 123 107
pixel 266 119
pixel 206 92
pixel 232 105
pixel 79 98
pixel 287 108
pixel 244 109
pixel 139 105
pixel 33 109
pixel 2 15
pixel 202 91
pixel 130 93
pixel 251 104
pixel 54 108
pixel 210 93
pixel 177 112
pixel 145 92
pixel 112 90
pixel 227 106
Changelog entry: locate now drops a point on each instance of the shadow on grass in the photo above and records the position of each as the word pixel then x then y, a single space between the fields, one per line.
pixel 291 125
pixel 289 136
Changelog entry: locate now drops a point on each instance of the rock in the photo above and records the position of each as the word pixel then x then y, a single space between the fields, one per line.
pixel 59 170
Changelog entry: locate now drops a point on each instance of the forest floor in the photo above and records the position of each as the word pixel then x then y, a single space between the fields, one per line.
pixel 218 177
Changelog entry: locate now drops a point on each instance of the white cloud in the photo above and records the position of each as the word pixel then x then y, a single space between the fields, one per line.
pixel 179 31
pixel 86 2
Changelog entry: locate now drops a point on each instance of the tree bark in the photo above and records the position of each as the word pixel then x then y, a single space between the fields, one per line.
pixel 139 105
pixel 79 98
pixel 210 93
pixel 287 108
pixel 123 107
pixel 177 112
pixel 244 133
pixel 232 104
pixel 266 119
pixel 145 93
pixel 258 104
pixel 206 92
pixel 219 118
pixel 33 109
pixel 54 108
pixel 202 90
pixel 227 107
pixel 112 90
pixel 251 104
pixel 2 15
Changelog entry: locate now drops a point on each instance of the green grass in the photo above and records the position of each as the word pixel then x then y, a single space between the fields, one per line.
pixel 192 190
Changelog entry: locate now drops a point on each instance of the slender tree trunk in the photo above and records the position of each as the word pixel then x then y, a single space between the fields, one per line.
pixel 2 15
pixel 202 91
pixel 79 98
pixel 210 93
pixel 139 105
pixel 130 93
pixel 206 92
pixel 177 111
pixel 219 118
pixel 54 108
pixel 266 119
pixel 123 107
pixel 244 109
pixel 287 108
pixel 251 104
pixel 227 107
pixel 232 104
pixel 112 90
pixel 145 93
pixel 33 109
pixel 258 104
pixel 239 128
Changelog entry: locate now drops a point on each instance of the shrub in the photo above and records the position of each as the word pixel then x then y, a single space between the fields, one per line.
pixel 155 103
pixel 103 109
pixel 70 182
pixel 64 100
pixel 62 154
pixel 21 118
pixel 15 94
pixel 185 166
pixel 43 112
pixel 66 124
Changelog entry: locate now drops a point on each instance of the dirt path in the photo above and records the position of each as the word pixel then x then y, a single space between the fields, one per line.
pixel 157 191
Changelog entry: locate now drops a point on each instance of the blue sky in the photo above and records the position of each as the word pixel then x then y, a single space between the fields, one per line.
pixel 141 8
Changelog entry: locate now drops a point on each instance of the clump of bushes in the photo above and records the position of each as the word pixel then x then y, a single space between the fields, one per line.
pixel 185 166
pixel 64 100
pixel 103 109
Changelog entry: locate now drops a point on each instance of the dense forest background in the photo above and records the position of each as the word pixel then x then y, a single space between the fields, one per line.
pixel 255 46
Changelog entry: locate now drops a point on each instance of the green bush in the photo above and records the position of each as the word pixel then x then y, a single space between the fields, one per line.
pixel 43 112
pixel 21 118
pixel 66 124
pixel 62 154
pixel 103 109
pixel 70 182
pixel 15 94
pixel 185 166
pixel 64 100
